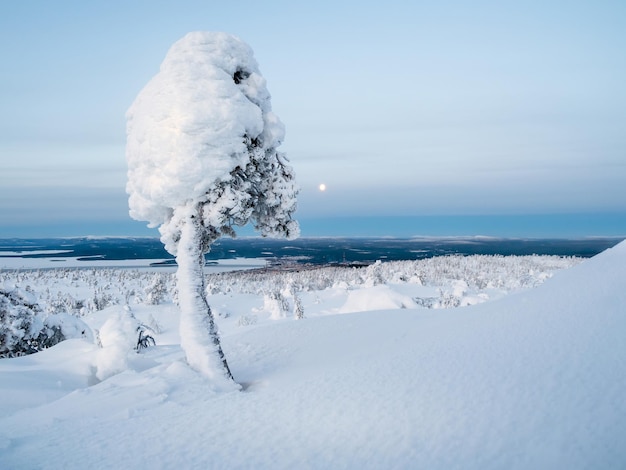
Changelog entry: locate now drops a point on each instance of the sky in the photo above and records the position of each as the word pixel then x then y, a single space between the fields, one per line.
pixel 406 110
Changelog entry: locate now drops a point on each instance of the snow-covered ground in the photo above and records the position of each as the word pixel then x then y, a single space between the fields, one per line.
pixel 477 362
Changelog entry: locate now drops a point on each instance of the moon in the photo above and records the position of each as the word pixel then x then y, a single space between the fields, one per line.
pixel 322 187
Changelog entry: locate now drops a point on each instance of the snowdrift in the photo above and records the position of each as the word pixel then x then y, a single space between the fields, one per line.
pixel 532 380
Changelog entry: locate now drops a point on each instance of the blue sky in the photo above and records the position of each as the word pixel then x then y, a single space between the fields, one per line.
pixel 403 109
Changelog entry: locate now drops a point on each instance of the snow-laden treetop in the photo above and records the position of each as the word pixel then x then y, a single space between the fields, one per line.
pixel 200 121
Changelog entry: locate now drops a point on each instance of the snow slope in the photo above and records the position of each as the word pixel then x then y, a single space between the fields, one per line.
pixel 532 380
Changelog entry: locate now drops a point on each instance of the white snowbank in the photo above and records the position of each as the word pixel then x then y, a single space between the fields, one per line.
pixel 532 380
pixel 375 298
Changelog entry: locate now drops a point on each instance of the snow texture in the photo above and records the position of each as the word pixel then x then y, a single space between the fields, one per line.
pixel 532 379
pixel 198 332
pixel 202 137
pixel 118 338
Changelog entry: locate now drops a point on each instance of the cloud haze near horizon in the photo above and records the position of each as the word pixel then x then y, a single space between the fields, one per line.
pixel 400 109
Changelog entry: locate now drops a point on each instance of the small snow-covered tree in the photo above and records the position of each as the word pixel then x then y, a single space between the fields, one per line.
pixel 374 275
pixel 202 159
pixel 298 309
pixel 275 304
pixel 20 323
pixel 156 290
pixel 26 329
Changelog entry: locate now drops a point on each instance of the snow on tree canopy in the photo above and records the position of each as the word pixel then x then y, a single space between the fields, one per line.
pixel 202 142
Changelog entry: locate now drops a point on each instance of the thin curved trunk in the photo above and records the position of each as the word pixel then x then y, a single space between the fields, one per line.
pixel 198 333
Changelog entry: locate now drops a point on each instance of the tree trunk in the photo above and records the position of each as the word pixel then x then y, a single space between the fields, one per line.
pixel 198 333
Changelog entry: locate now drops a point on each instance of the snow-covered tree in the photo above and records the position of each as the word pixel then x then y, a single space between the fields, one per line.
pixel 202 159
pixel 298 309
pixel 156 290
pixel 26 329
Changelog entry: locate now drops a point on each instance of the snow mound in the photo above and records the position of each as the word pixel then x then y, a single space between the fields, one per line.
pixel 380 297
pixel 118 339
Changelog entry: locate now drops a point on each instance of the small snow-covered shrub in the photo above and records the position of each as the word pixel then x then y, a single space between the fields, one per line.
pixel 153 325
pixel 247 320
pixel 101 299
pixel 156 291
pixel 21 323
pixel 275 304
pixel 144 341
pixel 426 302
pixel 26 329
pixel 70 326
pixel 117 337
pixel 374 274
pixel 447 300
pixel 298 309
pixel 64 302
